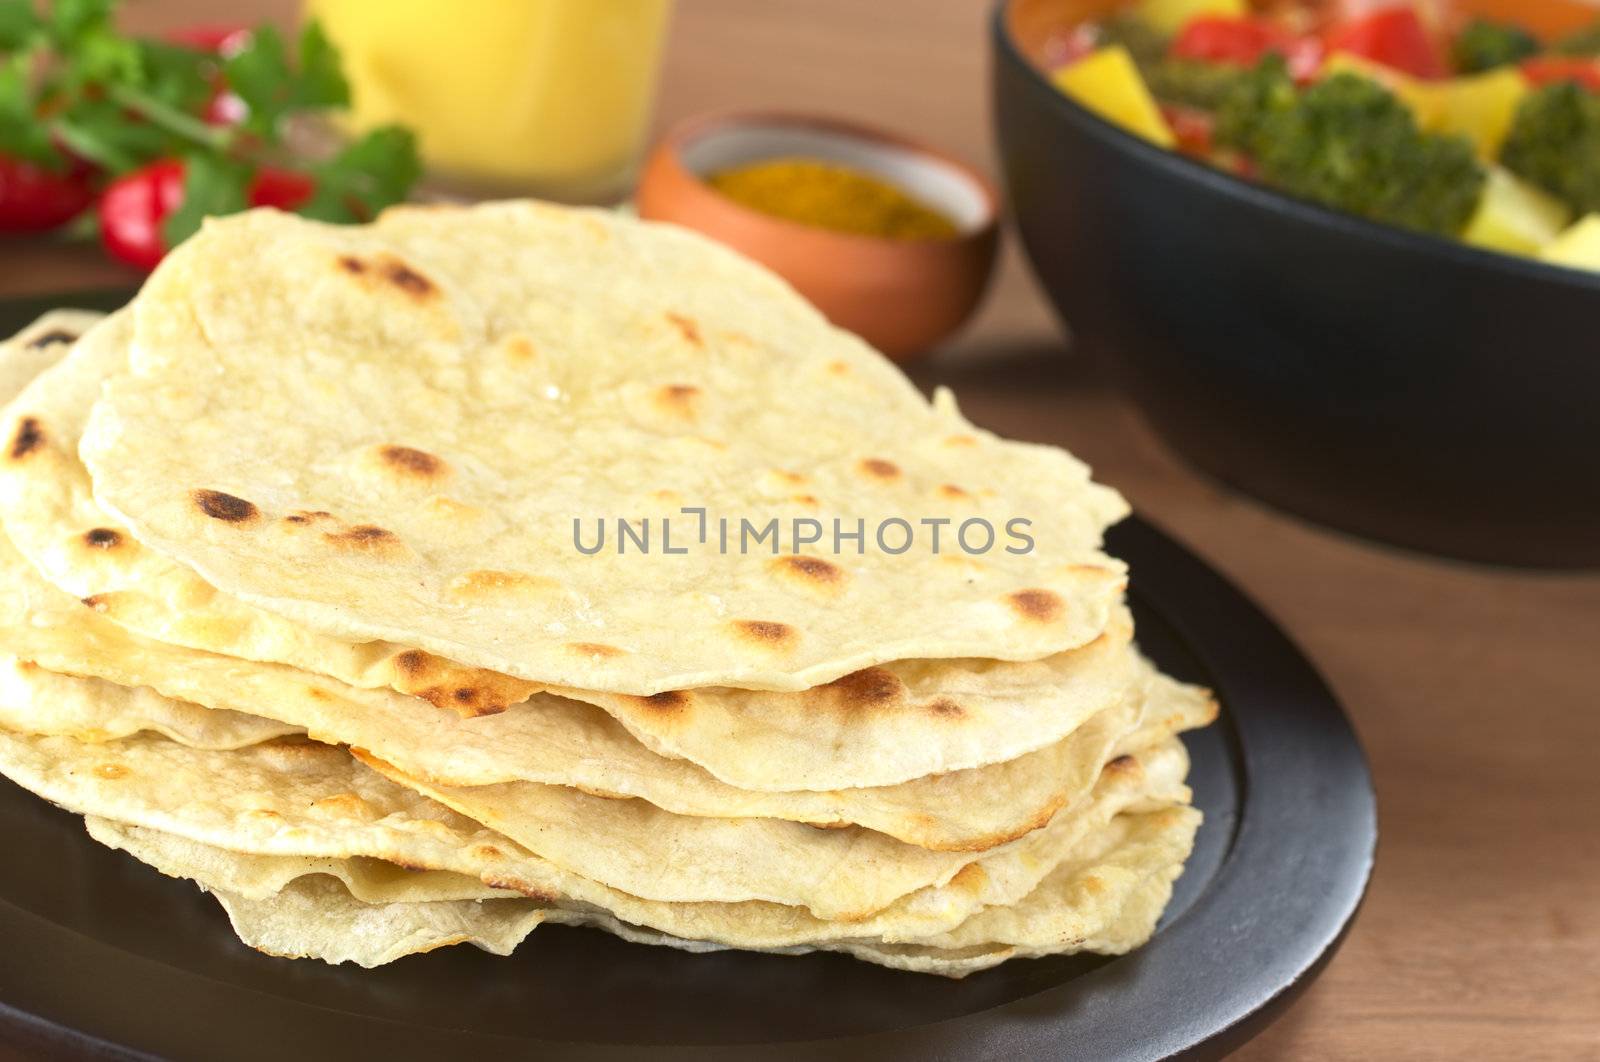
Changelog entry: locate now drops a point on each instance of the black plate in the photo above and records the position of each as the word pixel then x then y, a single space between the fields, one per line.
pixel 98 950
pixel 17 314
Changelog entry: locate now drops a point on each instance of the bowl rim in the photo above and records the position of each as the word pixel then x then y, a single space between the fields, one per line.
pixel 687 130
pixel 1270 199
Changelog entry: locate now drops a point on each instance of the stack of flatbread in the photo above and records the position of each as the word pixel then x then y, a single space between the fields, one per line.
pixel 416 583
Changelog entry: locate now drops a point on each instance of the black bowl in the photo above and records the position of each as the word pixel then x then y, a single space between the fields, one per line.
pixel 1392 384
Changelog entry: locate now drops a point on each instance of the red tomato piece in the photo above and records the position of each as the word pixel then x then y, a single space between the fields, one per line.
pixel 1395 37
pixel 1548 69
pixel 284 189
pixel 224 108
pixel 222 39
pixel 1243 41
pixel 133 208
pixel 1233 41
pixel 137 205
pixel 34 199
pixel 1192 127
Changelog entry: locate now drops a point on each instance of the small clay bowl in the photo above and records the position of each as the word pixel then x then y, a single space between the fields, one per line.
pixel 902 296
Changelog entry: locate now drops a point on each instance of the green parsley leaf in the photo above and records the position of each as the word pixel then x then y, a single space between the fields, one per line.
pixel 177 76
pixel 20 25
pixel 71 21
pixel 99 131
pixel 321 82
pixel 369 174
pixel 211 186
pixel 261 76
pixel 21 133
pixel 100 59
pixel 72 86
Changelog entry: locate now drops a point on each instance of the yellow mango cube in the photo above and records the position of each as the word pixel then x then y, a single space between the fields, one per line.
pixel 1108 83
pixel 1170 16
pixel 1578 246
pixel 1515 217
pixel 1480 108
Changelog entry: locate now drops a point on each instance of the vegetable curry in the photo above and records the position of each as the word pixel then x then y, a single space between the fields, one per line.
pixel 1409 115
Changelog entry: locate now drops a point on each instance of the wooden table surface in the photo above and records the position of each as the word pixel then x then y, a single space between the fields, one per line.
pixel 1475 690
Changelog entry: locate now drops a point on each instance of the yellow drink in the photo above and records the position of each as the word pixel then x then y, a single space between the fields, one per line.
pixel 550 97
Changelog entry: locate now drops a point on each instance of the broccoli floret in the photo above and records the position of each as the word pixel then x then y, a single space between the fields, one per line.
pixel 1484 45
pixel 1191 82
pixel 1554 143
pixel 1583 42
pixel 1253 98
pixel 1348 143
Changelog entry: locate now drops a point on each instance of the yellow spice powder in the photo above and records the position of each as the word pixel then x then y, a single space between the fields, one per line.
pixel 830 196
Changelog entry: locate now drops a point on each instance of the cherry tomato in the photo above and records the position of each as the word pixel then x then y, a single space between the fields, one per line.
pixel 34 199
pixel 221 39
pixel 284 189
pixel 1394 37
pixel 136 206
pixel 224 108
pixel 133 209
pixel 1548 69
pixel 1231 41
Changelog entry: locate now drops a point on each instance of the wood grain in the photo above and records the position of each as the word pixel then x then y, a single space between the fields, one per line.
pixel 1474 689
